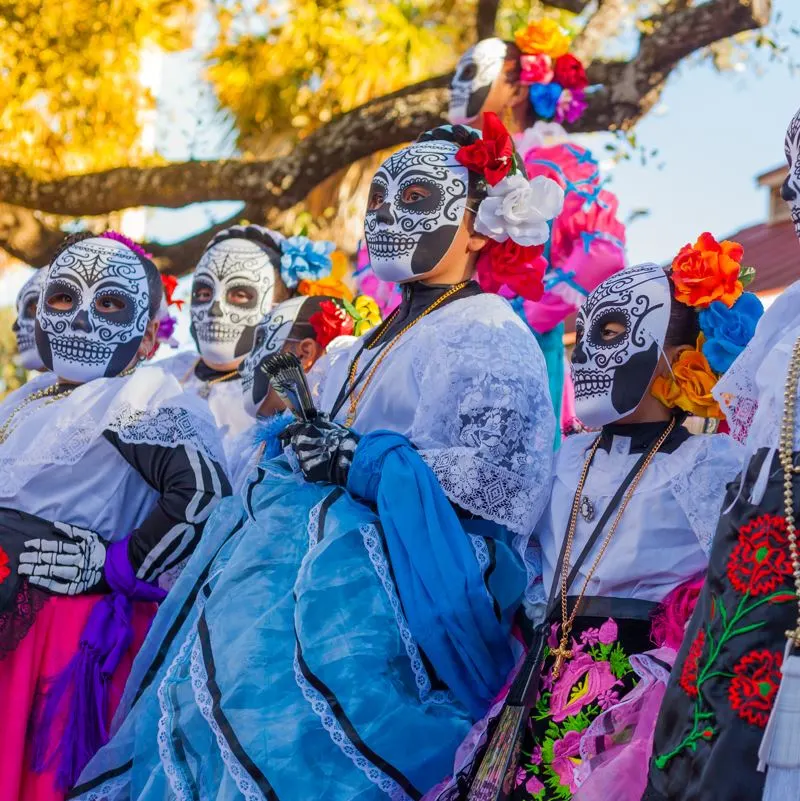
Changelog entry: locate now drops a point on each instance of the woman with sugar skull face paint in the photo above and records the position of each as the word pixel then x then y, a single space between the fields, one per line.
pixel 107 474
pixel 244 270
pixel 626 534
pixel 357 620
pixel 24 326
pixel 728 726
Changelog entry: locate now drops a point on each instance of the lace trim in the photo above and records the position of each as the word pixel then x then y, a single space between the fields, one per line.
pixel 372 543
pixel 328 720
pixel 313 525
pixel 202 697
pixel 481 552
pixel 178 779
pixel 107 790
pixel 168 427
pixel 17 621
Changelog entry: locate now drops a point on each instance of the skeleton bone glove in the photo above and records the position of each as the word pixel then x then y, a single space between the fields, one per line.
pixel 70 567
pixel 324 450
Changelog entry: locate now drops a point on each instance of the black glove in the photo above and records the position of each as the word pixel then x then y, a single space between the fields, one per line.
pixel 323 449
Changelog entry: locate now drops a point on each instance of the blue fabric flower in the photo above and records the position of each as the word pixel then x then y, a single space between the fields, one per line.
pixel 544 98
pixel 728 331
pixel 302 259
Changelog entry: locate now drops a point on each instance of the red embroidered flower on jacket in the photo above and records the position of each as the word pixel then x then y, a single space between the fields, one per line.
pixel 5 570
pixel 691 667
pixel 754 686
pixel 759 563
pixel 493 155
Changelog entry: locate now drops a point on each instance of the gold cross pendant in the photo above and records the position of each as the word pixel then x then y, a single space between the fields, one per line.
pixel 562 653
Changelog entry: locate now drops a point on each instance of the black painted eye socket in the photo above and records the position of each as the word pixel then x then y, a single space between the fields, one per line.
pixel 377 196
pixel 244 297
pixel 420 196
pixel 29 310
pixel 61 297
pixel 610 328
pixel 202 293
pixel 115 307
pixel 468 72
pixel 259 338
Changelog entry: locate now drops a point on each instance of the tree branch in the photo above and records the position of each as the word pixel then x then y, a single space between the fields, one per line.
pixel 575 6
pixel 626 91
pixel 485 18
pixel 25 237
pixel 601 27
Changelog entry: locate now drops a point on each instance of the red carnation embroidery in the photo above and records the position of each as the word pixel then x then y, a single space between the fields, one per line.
pixel 754 685
pixel 5 570
pixel 691 666
pixel 759 563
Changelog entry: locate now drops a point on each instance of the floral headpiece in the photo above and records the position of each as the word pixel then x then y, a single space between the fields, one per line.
pixel 557 79
pixel 304 260
pixel 515 213
pixel 708 276
pixel 334 284
pixel 166 322
pixel 338 318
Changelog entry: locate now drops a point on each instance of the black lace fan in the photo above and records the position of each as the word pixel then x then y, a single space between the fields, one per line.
pixel 287 377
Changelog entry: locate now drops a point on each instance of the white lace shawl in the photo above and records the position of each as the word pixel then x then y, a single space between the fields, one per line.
pixel 477 407
pixel 751 392
pixel 148 407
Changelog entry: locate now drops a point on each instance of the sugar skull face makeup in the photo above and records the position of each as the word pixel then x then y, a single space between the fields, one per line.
pixel 417 202
pixel 791 186
pixel 234 287
pixel 270 337
pixel 94 310
pixel 476 72
pixel 612 374
pixel 25 325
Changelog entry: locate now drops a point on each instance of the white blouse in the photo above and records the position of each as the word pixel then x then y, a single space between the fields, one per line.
pixel 665 533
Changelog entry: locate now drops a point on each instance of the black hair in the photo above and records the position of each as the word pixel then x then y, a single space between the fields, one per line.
pixel 684 323
pixel 461 135
pixel 154 286
pixel 271 246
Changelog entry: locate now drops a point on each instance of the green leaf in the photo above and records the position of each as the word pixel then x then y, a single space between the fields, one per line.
pixel 746 275
pixel 351 309
pixel 620 664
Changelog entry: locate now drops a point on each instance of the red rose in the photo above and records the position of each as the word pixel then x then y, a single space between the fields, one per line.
pixel 329 322
pixel 570 74
pixel 507 264
pixel 759 563
pixel 754 686
pixel 5 571
pixel 691 667
pixel 492 156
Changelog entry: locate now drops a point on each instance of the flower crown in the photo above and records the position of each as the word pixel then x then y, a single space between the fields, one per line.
pixel 515 214
pixel 557 79
pixel 304 260
pixel 708 276
pixel 337 318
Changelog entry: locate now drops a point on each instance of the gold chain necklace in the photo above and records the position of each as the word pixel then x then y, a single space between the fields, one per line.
pixel 789 471
pixel 562 653
pixel 205 389
pixel 54 392
pixel 355 398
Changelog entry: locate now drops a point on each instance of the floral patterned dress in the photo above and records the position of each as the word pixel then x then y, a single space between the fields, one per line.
pixel 597 676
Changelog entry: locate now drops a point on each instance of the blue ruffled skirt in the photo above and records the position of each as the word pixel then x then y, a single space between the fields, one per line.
pixel 281 665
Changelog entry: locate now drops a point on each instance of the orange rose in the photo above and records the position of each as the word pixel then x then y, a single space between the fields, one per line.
pixel 690 388
pixel 335 284
pixel 708 271
pixel 543 36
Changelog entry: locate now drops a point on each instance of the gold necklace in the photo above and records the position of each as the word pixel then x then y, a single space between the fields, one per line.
pixel 562 653
pixel 786 452
pixel 355 398
pixel 205 389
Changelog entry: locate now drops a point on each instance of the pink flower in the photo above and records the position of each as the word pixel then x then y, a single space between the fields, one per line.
pixel 608 632
pixel 607 699
pixel 590 637
pixel 536 68
pixel 571 105
pixel 579 685
pixel 536 755
pixel 566 758
pixel 533 786
pixel 552 640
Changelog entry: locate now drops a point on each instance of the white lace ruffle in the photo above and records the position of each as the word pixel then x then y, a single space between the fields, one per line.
pixel 107 791
pixel 328 720
pixel 699 488
pixel 148 407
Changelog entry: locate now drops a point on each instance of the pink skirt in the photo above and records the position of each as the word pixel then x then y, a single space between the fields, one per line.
pixel 43 653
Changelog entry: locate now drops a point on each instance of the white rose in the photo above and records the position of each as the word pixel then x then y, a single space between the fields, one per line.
pixel 520 209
